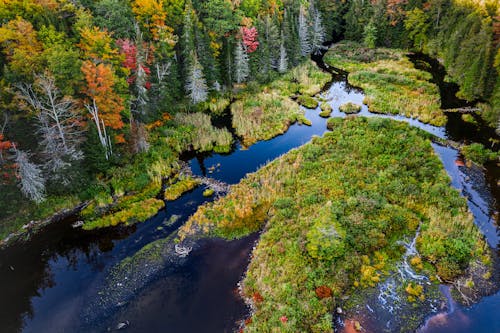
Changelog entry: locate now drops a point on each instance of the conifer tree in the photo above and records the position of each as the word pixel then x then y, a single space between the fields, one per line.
pixel 30 176
pixel 304 36
pixel 283 59
pixel 196 85
pixel 317 33
pixel 241 69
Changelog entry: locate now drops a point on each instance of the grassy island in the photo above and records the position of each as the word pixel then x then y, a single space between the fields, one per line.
pixel 332 212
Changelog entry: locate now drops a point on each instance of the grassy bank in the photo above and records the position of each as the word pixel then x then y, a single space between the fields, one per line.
pixel 391 83
pixel 261 113
pixel 333 211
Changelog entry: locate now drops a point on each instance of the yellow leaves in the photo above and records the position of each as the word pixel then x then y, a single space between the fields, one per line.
pixel 98 44
pixel 152 15
pixel 21 46
pixel 415 292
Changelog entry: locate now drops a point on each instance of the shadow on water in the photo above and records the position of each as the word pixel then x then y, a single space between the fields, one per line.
pixel 47 281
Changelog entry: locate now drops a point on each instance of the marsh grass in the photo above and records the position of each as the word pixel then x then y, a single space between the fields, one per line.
pixel 261 114
pixel 203 135
pixel 177 189
pixel 391 83
pixel 332 212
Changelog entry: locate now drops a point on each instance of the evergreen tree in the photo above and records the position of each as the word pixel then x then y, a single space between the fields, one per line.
pixel 318 34
pixel 370 35
pixel 196 85
pixel 304 36
pixel 241 69
pixel 30 176
pixel 291 37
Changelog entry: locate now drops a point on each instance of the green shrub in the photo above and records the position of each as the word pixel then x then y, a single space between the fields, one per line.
pixel 350 108
pixel 477 153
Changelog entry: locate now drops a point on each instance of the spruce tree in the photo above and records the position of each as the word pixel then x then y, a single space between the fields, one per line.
pixel 196 85
pixel 317 34
pixel 304 36
pixel 241 69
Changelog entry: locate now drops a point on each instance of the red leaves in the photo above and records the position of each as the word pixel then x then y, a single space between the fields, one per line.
pixel 129 50
pixel 284 319
pixel 257 297
pixel 249 36
pixel 323 292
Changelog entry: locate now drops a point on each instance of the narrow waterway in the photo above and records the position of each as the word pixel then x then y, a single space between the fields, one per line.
pixel 57 280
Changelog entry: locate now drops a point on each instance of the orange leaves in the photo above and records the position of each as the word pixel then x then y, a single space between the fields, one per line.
pixel 21 46
pixel 100 82
pixel 98 45
pixel 4 145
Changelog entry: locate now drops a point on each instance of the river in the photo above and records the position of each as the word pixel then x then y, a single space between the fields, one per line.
pixel 56 281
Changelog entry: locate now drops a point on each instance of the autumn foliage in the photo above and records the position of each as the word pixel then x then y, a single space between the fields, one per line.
pixel 99 89
pixel 21 46
pixel 323 292
pixel 249 36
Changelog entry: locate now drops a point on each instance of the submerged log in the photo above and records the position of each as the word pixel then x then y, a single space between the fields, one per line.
pixel 467 109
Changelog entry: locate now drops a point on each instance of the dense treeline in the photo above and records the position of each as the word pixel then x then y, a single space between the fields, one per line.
pixel 85 84
pixel 463 34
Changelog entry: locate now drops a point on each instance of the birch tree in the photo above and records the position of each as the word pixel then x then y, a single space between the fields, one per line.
pixel 59 125
pixel 241 69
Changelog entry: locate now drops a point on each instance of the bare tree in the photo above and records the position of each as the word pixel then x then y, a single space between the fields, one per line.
pixel 58 122
pixel 30 176
pixel 104 138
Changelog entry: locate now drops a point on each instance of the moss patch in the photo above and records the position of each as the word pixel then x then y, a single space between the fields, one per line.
pixel 182 186
pixel 307 101
pixel 326 110
pixel 350 108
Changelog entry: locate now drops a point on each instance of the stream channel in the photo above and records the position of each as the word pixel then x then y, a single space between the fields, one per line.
pixel 64 279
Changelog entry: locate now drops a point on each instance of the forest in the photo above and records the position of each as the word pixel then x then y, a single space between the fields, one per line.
pixel 99 98
pixel 298 164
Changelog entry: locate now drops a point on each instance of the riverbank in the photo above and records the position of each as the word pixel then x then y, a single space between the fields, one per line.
pixel 391 83
pixel 132 193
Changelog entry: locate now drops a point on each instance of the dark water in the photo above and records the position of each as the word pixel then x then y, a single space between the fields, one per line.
pixel 49 283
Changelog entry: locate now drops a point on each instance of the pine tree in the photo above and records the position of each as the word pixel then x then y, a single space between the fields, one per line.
pixel 370 35
pixel 318 34
pixel 241 69
pixel 283 58
pixel 30 176
pixel 304 37
pixel 196 85
pixel 291 38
